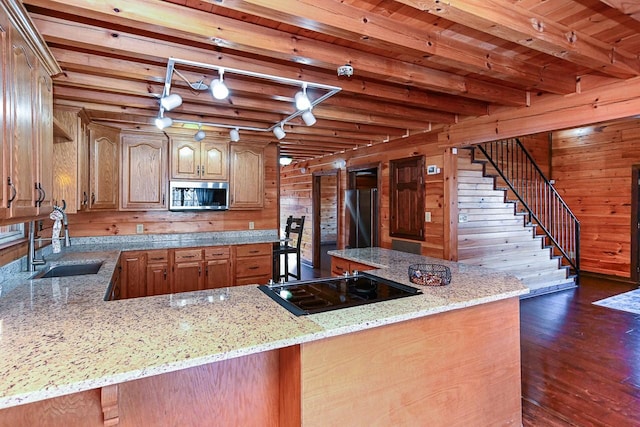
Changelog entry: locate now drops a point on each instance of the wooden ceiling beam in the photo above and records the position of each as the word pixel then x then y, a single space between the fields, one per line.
pixel 226 33
pixel 102 65
pixel 629 8
pixel 370 29
pixel 534 31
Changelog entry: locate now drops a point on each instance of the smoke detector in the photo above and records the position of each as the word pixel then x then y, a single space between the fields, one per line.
pixel 345 70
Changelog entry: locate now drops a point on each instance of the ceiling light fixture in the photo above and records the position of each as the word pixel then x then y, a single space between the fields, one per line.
pixel 302 100
pixel 163 122
pixel 170 102
pixel 219 90
pixel 285 160
pixel 308 118
pixel 279 132
pixel 234 135
pixel 200 135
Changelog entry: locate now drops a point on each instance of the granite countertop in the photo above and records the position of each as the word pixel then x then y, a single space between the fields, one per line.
pixel 59 336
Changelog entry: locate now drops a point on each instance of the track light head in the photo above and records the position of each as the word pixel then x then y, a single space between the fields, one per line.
pixel 302 101
pixel 219 90
pixel 234 135
pixel 163 122
pixel 279 132
pixel 285 160
pixel 308 118
pixel 200 135
pixel 171 101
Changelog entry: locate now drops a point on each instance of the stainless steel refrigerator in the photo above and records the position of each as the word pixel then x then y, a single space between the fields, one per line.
pixel 362 214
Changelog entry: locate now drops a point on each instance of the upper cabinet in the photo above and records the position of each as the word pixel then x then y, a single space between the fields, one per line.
pixel 104 142
pixel 203 160
pixel 247 177
pixel 27 118
pixel 144 172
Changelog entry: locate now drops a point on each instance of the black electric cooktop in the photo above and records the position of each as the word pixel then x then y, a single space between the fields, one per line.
pixel 318 295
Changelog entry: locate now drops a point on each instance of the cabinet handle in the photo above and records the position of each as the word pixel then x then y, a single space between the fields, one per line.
pixel 13 190
pixel 198 170
pixel 199 271
pixel 254 268
pixel 93 198
pixel 37 201
pixel 156 258
pixel 188 256
pixel 165 274
pixel 42 193
pixel 163 198
pixel 85 198
pixel 253 252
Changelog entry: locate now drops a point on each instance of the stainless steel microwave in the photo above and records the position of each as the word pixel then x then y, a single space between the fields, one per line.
pixel 198 195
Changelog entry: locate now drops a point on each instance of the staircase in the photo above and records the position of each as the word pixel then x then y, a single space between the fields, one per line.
pixel 493 233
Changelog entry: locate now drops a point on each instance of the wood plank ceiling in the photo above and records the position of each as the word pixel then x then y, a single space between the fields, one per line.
pixel 418 65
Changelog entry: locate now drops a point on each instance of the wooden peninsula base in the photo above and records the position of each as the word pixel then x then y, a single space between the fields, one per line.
pixel 457 368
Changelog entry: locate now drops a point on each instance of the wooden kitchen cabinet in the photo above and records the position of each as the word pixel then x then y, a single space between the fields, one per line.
pixel 218 267
pixel 187 270
pixel 157 272
pixel 133 274
pixel 103 167
pixel 253 263
pixel 247 177
pixel 340 266
pixel 26 117
pixel 144 172
pixel 203 160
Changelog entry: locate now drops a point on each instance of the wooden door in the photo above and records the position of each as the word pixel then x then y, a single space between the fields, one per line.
pixel 44 129
pixel 407 198
pixel 103 167
pixel 218 274
pixel 187 276
pixel 247 177
pixel 158 278
pixel 21 134
pixel 185 158
pixel 214 164
pixel 4 114
pixel 84 179
pixel 144 172
pixel 133 274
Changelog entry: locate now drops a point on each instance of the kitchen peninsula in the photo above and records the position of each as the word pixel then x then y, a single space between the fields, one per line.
pixel 232 356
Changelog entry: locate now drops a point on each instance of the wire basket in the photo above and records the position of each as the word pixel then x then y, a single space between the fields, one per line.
pixel 429 274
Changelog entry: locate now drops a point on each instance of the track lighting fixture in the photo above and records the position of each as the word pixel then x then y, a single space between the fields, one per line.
pixel 218 89
pixel 234 135
pixel 279 132
pixel 200 135
pixel 163 122
pixel 170 102
pixel 302 100
pixel 308 118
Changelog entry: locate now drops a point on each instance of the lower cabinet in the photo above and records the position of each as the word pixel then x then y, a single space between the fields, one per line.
pixel 253 263
pixel 340 266
pixel 165 271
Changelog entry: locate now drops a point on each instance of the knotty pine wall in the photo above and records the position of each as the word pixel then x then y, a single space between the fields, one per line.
pixel 592 168
pixel 296 188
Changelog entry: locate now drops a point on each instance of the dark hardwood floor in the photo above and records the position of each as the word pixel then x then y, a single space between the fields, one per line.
pixel 580 362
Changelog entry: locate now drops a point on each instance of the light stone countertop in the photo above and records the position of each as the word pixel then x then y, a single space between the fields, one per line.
pixel 59 336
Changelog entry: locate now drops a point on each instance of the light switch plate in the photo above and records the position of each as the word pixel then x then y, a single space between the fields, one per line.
pixel 427 217
pixel 251 225
pixel 463 218
pixel 139 228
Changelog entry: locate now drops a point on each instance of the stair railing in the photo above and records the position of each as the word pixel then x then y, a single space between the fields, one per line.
pixel 537 195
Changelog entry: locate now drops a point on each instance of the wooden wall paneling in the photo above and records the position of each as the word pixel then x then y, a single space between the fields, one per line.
pixel 450 205
pixel 592 168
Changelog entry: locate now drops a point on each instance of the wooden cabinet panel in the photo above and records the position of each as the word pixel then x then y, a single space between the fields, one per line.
pixel 144 172
pixel 340 266
pixel 133 276
pixel 182 255
pixel 247 177
pixel 218 273
pixel 187 276
pixel 158 278
pixel 4 113
pixel 198 160
pixel 103 168
pixel 217 252
pixel 44 129
pixel 407 197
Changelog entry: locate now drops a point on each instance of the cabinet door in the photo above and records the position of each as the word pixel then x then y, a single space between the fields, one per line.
pixel 218 274
pixel 185 159
pixel 133 275
pixel 44 129
pixel 103 167
pixel 144 172
pixel 21 134
pixel 187 276
pixel 158 279
pixel 213 161
pixel 247 177
pixel 4 114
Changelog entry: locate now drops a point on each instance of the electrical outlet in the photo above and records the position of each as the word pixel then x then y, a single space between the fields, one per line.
pixel 251 225
pixel 463 218
pixel 139 228
pixel 427 217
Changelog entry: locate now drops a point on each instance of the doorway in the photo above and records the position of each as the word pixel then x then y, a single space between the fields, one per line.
pixel 326 203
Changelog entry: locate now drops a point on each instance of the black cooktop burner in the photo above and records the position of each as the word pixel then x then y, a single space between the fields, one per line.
pixel 318 295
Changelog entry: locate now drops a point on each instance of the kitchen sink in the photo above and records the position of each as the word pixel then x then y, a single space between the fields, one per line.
pixel 68 270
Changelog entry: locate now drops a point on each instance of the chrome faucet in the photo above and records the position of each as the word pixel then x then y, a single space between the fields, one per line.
pixel 32 261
